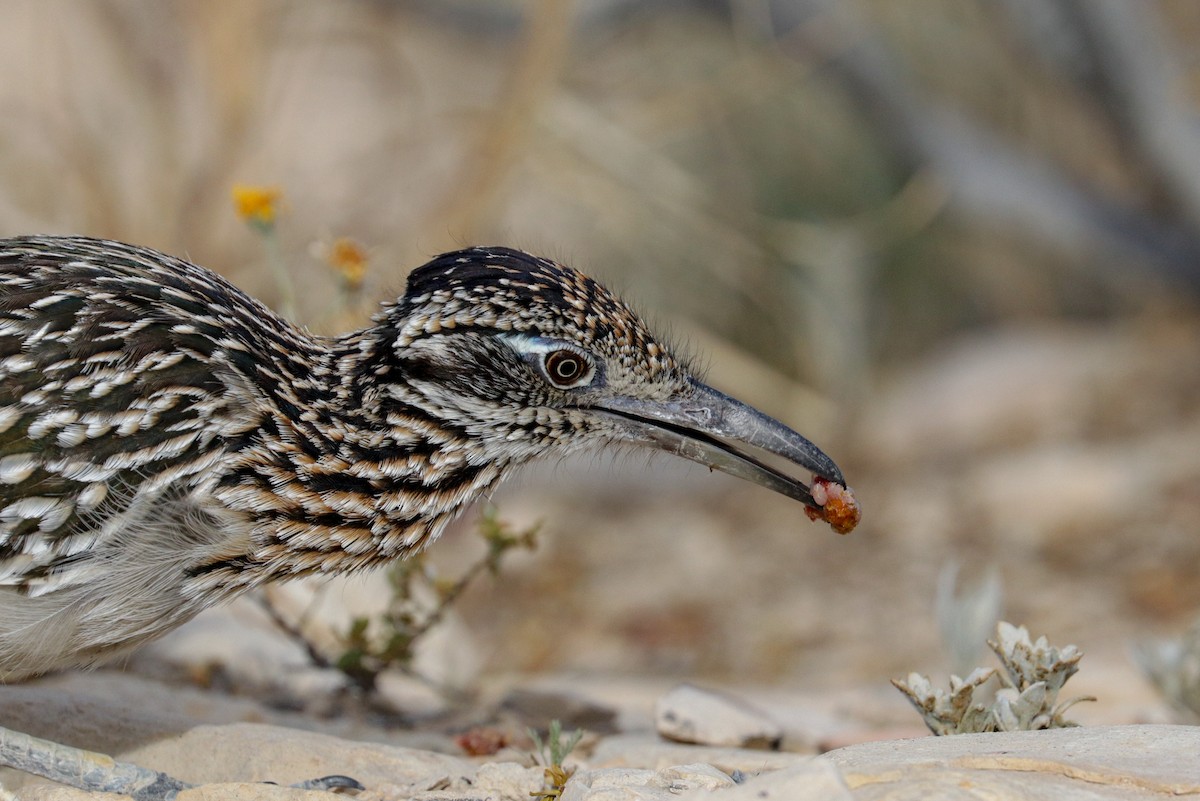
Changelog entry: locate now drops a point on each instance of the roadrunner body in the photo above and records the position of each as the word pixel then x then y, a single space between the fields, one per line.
pixel 167 442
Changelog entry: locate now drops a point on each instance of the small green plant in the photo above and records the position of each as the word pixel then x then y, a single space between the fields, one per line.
pixel 550 754
pixel 420 600
pixel 1034 674
pixel 389 641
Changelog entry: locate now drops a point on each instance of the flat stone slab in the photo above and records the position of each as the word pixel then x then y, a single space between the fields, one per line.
pixel 1100 762
pixel 1117 763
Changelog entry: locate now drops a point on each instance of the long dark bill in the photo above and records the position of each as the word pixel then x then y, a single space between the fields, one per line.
pixel 705 427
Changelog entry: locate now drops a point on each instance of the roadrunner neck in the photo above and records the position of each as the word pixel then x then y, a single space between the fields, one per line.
pixel 357 457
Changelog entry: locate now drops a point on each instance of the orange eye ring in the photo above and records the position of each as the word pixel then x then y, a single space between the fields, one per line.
pixel 566 368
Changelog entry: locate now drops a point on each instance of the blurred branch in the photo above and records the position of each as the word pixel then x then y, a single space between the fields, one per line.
pixel 985 176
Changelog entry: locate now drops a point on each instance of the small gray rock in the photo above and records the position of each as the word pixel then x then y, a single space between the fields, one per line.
pixel 639 784
pixel 689 714
pixel 812 779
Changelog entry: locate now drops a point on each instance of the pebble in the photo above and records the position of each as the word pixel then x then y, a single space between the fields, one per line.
pixel 690 714
pixel 622 784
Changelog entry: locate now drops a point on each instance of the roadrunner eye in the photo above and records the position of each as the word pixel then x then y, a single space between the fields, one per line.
pixel 566 368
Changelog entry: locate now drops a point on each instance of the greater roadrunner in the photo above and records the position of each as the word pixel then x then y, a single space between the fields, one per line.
pixel 167 442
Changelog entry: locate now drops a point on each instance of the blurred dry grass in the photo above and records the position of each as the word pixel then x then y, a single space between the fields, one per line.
pixel 812 193
pixel 708 159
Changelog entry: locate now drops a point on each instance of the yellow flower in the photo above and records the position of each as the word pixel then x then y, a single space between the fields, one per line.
pixel 350 259
pixel 257 205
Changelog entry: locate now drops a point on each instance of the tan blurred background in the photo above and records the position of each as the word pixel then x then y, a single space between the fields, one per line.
pixel 956 243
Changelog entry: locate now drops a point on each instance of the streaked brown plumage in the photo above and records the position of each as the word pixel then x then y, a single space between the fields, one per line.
pixel 167 442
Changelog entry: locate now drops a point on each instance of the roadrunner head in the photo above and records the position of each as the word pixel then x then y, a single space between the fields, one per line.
pixel 534 358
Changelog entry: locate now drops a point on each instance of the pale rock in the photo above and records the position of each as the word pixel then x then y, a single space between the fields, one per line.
pixel 699 776
pixel 612 784
pixel 638 784
pixel 248 752
pixel 225 791
pixel 498 780
pixel 39 790
pixel 1123 763
pixel 647 751
pixel 689 714
pixel 241 791
pixel 811 779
